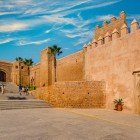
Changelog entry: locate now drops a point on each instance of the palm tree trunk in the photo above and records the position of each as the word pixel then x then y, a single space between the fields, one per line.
pixel 29 75
pixel 19 73
pixel 55 65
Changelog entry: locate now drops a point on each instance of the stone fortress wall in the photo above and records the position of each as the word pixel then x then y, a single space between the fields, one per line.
pixel 113 58
pixel 71 68
pixel 12 72
pixel 6 70
pixel 85 94
pixel 35 75
pixel 114 23
pixel 20 73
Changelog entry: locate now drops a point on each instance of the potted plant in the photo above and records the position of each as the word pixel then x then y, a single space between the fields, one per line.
pixel 118 104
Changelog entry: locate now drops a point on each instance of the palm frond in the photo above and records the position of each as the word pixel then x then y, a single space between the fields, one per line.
pixel 55 50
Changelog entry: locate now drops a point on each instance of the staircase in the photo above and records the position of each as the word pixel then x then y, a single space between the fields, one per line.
pixel 16 104
pixel 10 87
pixel 11 99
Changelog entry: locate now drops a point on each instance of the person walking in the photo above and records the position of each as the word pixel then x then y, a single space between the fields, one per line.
pixel 20 89
pixel 27 89
pixel 2 89
pixel 23 89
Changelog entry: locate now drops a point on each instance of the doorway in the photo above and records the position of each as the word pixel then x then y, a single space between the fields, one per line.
pixel 137 91
pixel 2 76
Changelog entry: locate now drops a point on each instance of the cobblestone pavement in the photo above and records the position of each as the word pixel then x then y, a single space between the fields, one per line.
pixel 68 124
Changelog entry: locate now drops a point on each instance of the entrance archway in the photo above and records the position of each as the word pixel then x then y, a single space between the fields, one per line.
pixel 2 76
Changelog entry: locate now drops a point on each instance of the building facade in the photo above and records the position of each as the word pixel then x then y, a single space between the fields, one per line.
pixel 14 72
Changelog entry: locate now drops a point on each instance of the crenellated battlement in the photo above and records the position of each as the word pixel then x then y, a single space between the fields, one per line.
pixel 120 30
pixel 109 27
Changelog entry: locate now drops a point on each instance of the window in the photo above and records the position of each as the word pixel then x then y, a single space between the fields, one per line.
pixel 16 67
pixel 22 67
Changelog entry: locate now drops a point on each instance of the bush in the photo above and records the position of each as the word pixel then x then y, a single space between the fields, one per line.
pixel 118 101
pixel 32 88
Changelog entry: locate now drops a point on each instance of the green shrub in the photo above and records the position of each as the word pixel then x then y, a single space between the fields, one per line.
pixel 118 101
pixel 32 88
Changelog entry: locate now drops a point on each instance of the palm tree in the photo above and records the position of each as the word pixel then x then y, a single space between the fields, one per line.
pixel 28 62
pixel 55 51
pixel 20 60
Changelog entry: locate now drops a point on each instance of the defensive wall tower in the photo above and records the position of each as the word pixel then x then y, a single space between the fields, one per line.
pixel 109 32
pixel 109 27
pixel 113 56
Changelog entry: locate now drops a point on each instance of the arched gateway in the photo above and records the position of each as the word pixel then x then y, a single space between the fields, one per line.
pixel 6 71
pixel 2 76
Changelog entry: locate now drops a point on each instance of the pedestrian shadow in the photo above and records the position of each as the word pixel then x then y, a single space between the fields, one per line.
pixel 16 98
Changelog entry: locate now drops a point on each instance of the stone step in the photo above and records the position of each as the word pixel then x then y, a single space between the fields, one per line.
pixel 10 87
pixel 1 107
pixel 10 108
pixel 14 104
pixel 23 105
pixel 22 101
pixel 18 104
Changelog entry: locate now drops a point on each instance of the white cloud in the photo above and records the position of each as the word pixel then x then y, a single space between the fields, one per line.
pixel 7 40
pixel 8 13
pixel 103 18
pixel 55 14
pixel 16 26
pixel 84 38
pixel 66 48
pixel 83 35
pixel 134 16
pixel 34 11
pixel 60 20
pixel 91 5
pixel 76 32
pixel 25 42
pixel 54 27
pixel 56 7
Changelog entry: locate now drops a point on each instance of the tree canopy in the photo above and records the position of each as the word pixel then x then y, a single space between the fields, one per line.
pixel 55 50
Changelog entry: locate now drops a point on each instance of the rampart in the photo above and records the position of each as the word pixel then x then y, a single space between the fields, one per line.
pixel 112 58
pixel 74 94
pixel 109 26
pixel 35 75
pixel 20 73
pixel 70 68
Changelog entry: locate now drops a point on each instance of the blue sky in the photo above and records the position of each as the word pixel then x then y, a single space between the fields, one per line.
pixel 28 26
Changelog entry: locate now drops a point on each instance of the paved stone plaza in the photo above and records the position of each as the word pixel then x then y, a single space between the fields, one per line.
pixel 68 124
